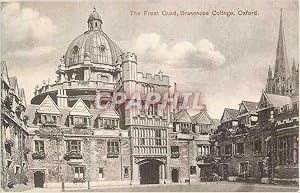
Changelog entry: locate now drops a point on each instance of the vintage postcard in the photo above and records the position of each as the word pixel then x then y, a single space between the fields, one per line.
pixel 155 96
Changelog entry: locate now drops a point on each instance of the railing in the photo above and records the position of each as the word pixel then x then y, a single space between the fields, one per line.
pixel 79 180
pixel 74 84
pixel 39 155
pixel 150 120
pixel 81 125
pixel 50 123
pixel 73 155
pixel 112 154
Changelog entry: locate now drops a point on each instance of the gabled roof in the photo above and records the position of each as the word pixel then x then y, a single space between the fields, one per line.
pixel 278 100
pixel 109 111
pixel 247 107
pixel 272 100
pixel 229 114
pixel 80 108
pixel 182 116
pixel 48 106
pixel 202 118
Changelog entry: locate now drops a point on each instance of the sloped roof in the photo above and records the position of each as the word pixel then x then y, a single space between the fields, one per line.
pixel 251 106
pixel 48 106
pixel 216 122
pixel 232 112
pixel 109 111
pixel 202 117
pixel 278 100
pixel 229 114
pixel 80 108
pixel 182 116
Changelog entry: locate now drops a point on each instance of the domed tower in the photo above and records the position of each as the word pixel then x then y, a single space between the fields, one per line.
pixel 89 65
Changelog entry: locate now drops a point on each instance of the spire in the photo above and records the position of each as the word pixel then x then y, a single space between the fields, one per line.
pixel 294 65
pixel 281 64
pixel 270 73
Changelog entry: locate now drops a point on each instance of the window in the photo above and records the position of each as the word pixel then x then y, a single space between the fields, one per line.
pixel 288 150
pixel 228 149
pixel 126 171
pixel 74 146
pixel 79 172
pixel 39 146
pixel 244 168
pixel 203 149
pixel 193 170
pixel 240 148
pixel 157 137
pixel 257 147
pixel 112 148
pixel 175 152
pixel 101 173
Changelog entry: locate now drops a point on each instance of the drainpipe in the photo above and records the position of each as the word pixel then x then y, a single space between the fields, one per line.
pixel 189 172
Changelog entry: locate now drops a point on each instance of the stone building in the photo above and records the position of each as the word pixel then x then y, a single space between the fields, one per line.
pixel 79 137
pixel 14 136
pixel 190 143
pixel 260 142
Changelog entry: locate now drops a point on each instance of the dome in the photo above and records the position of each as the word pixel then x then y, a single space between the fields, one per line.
pixel 94 44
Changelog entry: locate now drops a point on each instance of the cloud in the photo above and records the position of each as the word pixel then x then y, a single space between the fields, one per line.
pixel 35 52
pixel 22 23
pixel 201 55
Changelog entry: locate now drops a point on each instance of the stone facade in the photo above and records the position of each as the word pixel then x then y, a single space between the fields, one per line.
pixel 14 135
pixel 264 148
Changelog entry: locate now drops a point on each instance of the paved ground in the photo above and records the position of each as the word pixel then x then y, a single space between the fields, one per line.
pixel 201 187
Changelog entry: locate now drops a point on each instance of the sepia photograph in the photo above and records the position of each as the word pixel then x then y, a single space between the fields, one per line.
pixel 149 96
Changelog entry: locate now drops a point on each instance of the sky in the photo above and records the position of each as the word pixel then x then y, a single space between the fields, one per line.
pixel 224 58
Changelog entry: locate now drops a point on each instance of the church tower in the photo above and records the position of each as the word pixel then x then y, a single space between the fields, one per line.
pixel 282 70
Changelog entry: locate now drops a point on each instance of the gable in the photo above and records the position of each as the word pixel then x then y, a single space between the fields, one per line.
pixel 263 102
pixel 184 117
pixel 48 106
pixel 109 112
pixel 243 109
pixel 80 109
pixel 205 119
pixel 225 117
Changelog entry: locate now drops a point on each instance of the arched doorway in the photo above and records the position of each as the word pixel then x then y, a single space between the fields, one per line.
pixel 39 179
pixel 175 175
pixel 149 172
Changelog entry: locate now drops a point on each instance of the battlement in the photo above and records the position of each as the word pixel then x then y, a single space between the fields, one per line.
pixel 129 56
pixel 159 79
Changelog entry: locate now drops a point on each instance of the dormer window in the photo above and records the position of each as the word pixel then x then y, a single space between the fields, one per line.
pixel 48 119
pixel 108 123
pixel 79 121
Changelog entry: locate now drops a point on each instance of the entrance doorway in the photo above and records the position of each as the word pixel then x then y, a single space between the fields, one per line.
pixel 175 175
pixel 39 179
pixel 260 171
pixel 149 172
pixel 225 169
